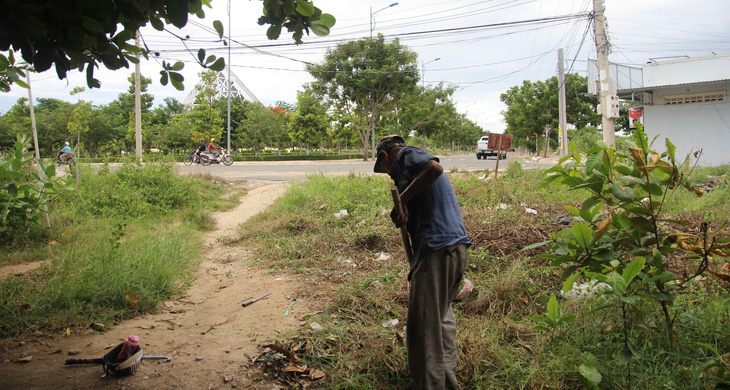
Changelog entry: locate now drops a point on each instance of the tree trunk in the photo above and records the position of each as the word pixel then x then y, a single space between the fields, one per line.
pixel 548 130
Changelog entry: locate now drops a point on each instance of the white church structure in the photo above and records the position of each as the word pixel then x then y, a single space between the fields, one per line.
pixel 237 88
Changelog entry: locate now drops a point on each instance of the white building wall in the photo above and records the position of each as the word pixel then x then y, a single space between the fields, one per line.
pixel 691 127
pixel 685 71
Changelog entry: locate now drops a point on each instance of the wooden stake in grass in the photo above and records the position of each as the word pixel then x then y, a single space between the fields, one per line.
pixel 403 229
pixel 499 157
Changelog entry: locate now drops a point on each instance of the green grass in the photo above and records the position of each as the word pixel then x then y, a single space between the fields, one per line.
pixel 118 245
pixel 498 346
pixel 109 260
pixel 714 203
pixel 102 281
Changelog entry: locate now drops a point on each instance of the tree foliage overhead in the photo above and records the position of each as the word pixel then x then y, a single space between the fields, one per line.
pixel 297 16
pixel 83 34
pixel 365 78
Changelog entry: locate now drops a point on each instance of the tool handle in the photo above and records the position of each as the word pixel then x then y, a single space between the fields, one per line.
pixel 250 301
pixel 156 357
pixel 85 361
pixel 403 230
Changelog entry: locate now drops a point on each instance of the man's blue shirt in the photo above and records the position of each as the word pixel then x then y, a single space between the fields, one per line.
pixel 434 218
pixel 67 149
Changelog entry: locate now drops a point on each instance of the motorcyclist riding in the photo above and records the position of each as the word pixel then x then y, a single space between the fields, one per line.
pixel 214 149
pixel 66 152
pixel 201 149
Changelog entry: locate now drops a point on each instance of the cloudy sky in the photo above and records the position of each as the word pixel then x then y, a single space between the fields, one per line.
pixel 483 47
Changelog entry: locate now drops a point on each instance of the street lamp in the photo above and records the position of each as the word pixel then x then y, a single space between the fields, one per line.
pixel 372 104
pixel 423 73
pixel 372 20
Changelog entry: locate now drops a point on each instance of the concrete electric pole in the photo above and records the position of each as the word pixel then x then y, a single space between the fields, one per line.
pixel 562 105
pixel 137 105
pixel 607 92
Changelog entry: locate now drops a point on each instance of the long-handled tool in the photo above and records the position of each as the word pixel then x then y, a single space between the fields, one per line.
pixel 250 301
pixel 403 229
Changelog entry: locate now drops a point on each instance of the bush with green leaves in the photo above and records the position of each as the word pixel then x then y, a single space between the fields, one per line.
pixel 25 190
pixel 134 190
pixel 623 237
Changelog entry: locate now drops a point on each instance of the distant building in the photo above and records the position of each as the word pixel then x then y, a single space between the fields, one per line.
pixel 685 100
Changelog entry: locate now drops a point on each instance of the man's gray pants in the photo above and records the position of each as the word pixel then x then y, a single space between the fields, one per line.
pixel 431 328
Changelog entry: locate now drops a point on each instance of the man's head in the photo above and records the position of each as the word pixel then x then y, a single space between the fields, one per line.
pixel 66 143
pixel 385 152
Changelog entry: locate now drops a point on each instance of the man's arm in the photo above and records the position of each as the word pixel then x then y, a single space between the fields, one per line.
pixel 428 174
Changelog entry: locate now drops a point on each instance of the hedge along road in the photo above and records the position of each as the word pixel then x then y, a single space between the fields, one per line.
pixel 299 170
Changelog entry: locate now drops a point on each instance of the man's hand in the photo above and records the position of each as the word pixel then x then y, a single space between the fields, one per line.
pixel 399 219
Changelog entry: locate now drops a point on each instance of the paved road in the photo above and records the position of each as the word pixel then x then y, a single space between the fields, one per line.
pixel 299 170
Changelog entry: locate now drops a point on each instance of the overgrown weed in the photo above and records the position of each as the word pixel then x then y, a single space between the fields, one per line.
pixel 498 347
pixel 116 249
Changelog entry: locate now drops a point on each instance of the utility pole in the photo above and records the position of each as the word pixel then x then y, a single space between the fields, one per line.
pixel 608 107
pixel 137 105
pixel 37 149
pixel 372 99
pixel 228 137
pixel 561 105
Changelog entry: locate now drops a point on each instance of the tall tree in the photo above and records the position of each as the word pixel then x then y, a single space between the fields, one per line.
pixel 206 120
pixel 427 110
pixel 239 109
pixel 107 130
pixel 310 121
pixel 278 128
pixel 178 133
pixel 533 106
pixel 259 127
pixel 52 117
pixel 18 117
pixel 160 118
pixel 365 78
pixel 459 130
pixel 341 131
pixel 79 122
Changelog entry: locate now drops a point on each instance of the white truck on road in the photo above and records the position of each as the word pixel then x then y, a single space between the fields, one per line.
pixel 485 148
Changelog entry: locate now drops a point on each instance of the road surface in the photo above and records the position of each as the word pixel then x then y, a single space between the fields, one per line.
pixel 299 170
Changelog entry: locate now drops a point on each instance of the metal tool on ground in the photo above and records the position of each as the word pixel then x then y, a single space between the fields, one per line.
pixel 403 230
pixel 110 363
pixel 250 301
pixel 286 313
pixel 127 364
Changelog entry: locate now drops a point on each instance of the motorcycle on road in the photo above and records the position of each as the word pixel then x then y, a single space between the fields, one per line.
pixel 70 161
pixel 207 158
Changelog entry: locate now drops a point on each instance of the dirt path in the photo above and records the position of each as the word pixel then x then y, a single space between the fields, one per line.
pixel 207 332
